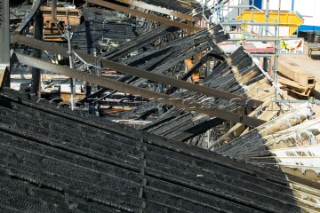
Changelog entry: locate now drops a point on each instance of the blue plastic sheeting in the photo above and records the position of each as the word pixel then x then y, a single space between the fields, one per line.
pixel 257 3
pixel 308 28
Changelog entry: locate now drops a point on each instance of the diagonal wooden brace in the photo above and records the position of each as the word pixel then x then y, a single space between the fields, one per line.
pixel 3 73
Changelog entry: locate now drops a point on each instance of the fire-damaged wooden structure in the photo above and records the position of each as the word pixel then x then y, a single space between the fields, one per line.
pixel 57 160
pixel 235 76
pixel 289 141
pixel 169 79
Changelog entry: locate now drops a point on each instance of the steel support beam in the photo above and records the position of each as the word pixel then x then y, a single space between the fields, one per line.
pixel 144 15
pixel 4 33
pixel 157 9
pixel 139 72
pixel 145 93
pixel 4 42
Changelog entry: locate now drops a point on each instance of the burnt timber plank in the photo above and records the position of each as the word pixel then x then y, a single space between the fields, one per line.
pixel 144 15
pixel 177 180
pixel 116 85
pixel 136 72
pixel 163 10
pixel 139 42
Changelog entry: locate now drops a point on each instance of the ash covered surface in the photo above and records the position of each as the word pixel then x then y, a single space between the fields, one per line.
pixel 53 160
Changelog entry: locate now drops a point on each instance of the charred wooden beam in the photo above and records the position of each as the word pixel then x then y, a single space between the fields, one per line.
pixel 33 11
pixel 36 73
pixel 141 41
pixel 198 129
pixel 144 15
pixel 163 55
pixel 157 9
pixel 142 111
pixel 253 143
pixel 140 73
pixel 179 178
pixel 158 97
pixel 211 54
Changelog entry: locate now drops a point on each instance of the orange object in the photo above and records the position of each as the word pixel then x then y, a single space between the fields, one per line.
pixel 195 76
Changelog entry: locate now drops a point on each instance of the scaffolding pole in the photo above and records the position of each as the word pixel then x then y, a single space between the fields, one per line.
pixel 71 62
pixel 276 57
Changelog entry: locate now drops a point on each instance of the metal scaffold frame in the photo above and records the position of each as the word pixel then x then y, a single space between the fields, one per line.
pixel 225 5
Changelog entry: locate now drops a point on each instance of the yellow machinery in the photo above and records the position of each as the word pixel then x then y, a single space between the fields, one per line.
pixel 287 18
pixel 55 20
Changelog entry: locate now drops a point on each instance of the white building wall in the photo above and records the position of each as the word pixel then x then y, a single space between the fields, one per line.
pixel 316 14
pixel 308 9
pixel 274 4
